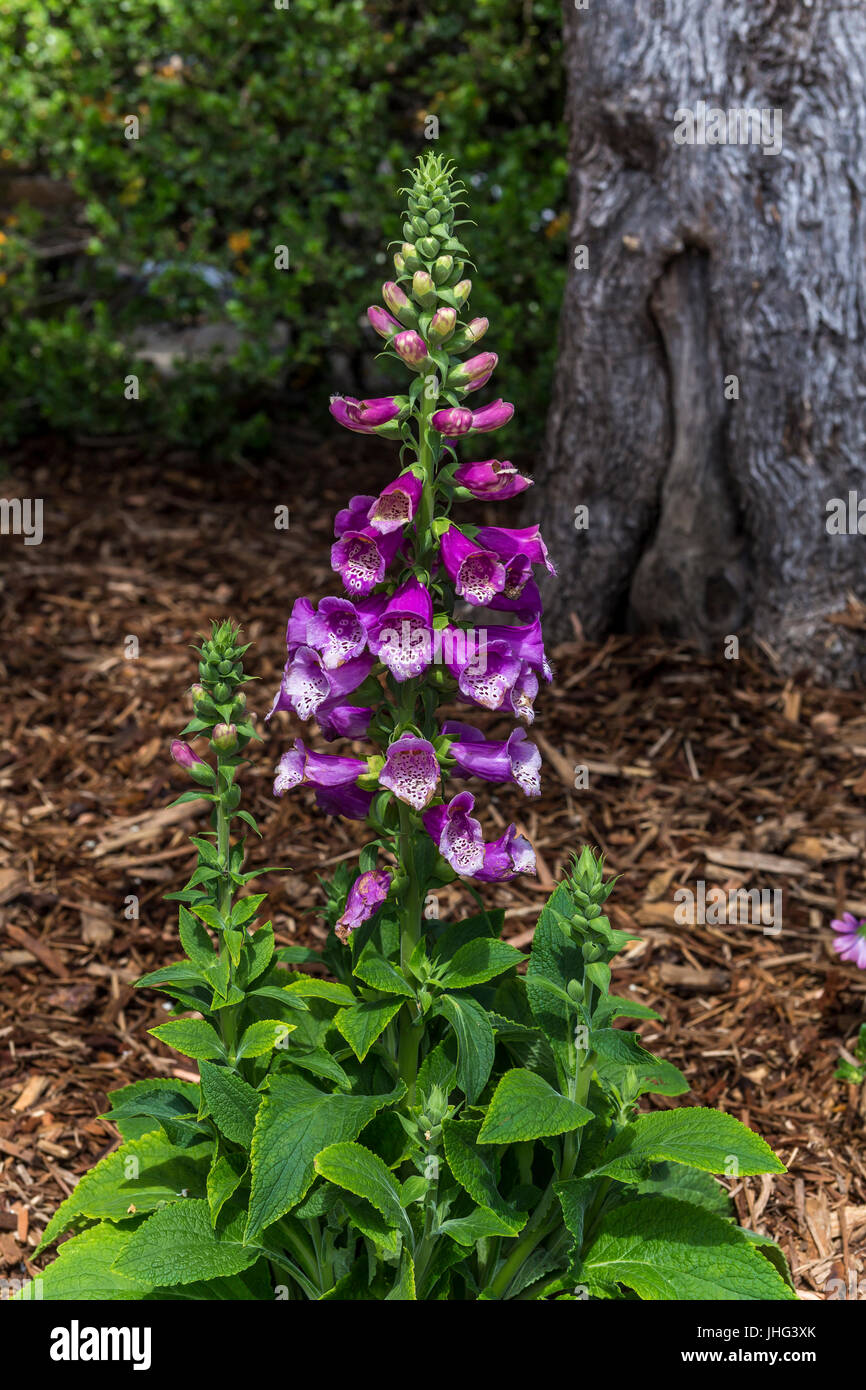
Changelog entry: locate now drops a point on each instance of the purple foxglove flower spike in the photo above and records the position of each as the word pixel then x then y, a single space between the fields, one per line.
pixel 362 557
pixel 490 478
pixel 474 373
pixel 366 896
pixel 300 765
pixel 491 417
pixel 850 942
pixel 351 802
pixel 457 834
pixel 488 675
pixel 401 638
pixel 515 760
pixel 477 573
pixel 506 857
pixel 396 504
pixel 383 322
pixel 411 771
pixel 526 643
pixel 524 541
pixel 410 346
pixel 306 685
pixel 364 417
pixel 455 420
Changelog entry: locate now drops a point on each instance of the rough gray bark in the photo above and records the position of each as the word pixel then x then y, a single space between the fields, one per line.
pixel 708 515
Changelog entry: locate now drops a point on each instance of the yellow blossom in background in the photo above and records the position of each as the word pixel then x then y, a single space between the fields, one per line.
pixel 239 242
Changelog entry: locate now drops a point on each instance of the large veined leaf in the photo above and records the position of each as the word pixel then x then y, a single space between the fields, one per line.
pixel 474 1172
pixel 687 1185
pixel 479 960
pixel 476 1044
pixel 477 1224
pixel 404 1285
pixel 524 1106
pixel 142 1174
pixel 83 1269
pixel 362 1172
pixel 223 1179
pixel 696 1136
pixel 554 960
pixel 295 1122
pixel 191 1036
pixel 364 1022
pixel 171 1104
pixel 665 1249
pixel 178 1245
pixel 231 1101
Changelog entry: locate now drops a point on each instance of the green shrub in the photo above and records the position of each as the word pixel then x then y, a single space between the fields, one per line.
pixel 259 127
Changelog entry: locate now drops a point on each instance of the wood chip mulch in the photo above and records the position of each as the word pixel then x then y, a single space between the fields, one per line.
pixel 695 769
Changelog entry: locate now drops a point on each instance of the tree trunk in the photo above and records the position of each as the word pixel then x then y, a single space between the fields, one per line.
pixel 710 395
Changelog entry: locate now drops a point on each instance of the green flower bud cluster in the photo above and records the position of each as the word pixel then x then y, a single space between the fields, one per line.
pixel 219 703
pixel 432 257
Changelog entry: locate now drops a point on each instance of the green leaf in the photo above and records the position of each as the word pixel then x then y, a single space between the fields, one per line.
pixel 181 973
pixel 480 1223
pixel 177 1245
pixel 610 1006
pixel 209 915
pixel 320 1063
pixel 457 934
pixel 479 960
pixel 295 1122
pixel 309 988
pixel 476 1044
pixel 223 1179
pixel 83 1270
pixel 194 939
pixel 231 1101
pixel 524 1106
pixel 556 960
pixel 263 1036
pixel 699 1137
pixel 670 1250
pixel 363 1023
pixel 437 1070
pixel 256 955
pixel 474 1172
pixel 143 1173
pixel 575 1195
pixel 770 1250
pixel 379 973
pixel 245 908
pixel 404 1285
pixel 686 1185
pixel 174 1110
pixel 358 1170
pixel 656 1076
pixel 191 1036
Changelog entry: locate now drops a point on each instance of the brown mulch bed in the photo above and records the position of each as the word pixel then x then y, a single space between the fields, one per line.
pixel 697 769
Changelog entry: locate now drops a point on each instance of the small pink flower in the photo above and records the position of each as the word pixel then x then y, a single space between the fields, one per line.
pixel 850 942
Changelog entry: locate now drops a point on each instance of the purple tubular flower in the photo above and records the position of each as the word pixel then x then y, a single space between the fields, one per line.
pixel 506 857
pixel 401 638
pixel 521 696
pixel 366 896
pixel 383 322
pixel 509 542
pixel 362 557
pixel 850 943
pixel 411 771
pixel 491 479
pixel 456 420
pixel 306 684
pixel 183 755
pixel 299 765
pixel 487 677
pixel 526 643
pixel 353 517
pixel 527 603
pixel 515 760
pixel 457 834
pixel 337 631
pixel 351 802
pixel 477 573
pixel 338 720
pixel 491 417
pixel 410 346
pixel 474 373
pixel 364 417
pixel 396 504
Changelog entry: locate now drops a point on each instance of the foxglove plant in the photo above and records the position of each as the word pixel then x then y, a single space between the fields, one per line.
pixel 431 1123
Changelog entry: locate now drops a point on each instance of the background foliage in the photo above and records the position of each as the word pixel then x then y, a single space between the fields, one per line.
pixel 259 127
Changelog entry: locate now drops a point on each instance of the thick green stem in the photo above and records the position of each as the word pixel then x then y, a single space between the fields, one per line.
pixel 410 935
pixel 225 1017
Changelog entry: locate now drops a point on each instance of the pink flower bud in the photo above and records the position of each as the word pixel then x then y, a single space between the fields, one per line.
pixel 442 325
pixel 423 289
pixel 225 737
pixel 453 421
pixel 471 375
pixel 412 348
pixel 399 303
pixel 383 322
pixel 183 755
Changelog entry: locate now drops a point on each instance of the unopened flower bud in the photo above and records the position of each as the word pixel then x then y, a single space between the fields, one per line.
pixel 197 692
pixel 384 323
pixel 183 755
pixel 469 376
pixel 469 334
pixel 423 289
pixel 428 247
pixel 442 268
pixel 221 692
pixel 411 259
pixel 399 263
pixel 410 346
pixel 399 304
pixel 462 291
pixel 442 325
pixel 225 738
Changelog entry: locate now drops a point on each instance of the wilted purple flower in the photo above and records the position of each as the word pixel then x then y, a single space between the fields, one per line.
pixel 366 896
pixel 455 420
pixel 383 322
pixel 364 417
pixel 412 349
pixel 401 638
pixel 411 771
pixel 300 765
pixel 349 801
pixel 473 373
pixel 183 755
pixel 490 417
pixel 477 573
pixel 492 479
pixel 515 760
pixel 457 834
pixel 850 943
pixel 361 558
pixel 485 678
pixel 506 857
pixel 509 543
pixel 306 684
pixel 396 504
